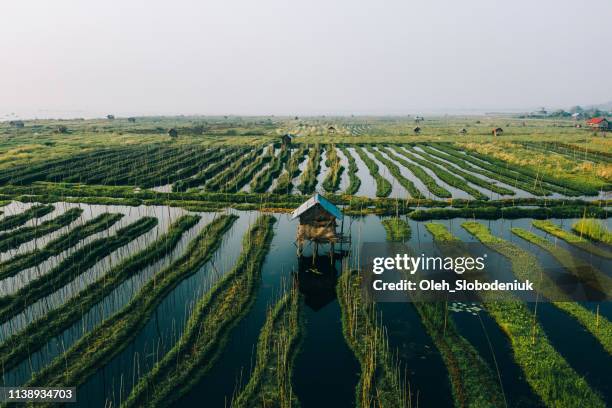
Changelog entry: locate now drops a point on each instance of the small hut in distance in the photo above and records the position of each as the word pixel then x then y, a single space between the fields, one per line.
pixel 497 131
pixel 286 140
pixel 318 218
pixel 416 130
pixel 172 132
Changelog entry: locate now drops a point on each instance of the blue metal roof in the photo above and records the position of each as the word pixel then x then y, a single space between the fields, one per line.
pixel 322 201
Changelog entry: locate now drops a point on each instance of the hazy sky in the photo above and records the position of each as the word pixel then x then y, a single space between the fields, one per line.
pixel 302 57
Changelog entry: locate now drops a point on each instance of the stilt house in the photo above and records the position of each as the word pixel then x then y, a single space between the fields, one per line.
pixel 318 221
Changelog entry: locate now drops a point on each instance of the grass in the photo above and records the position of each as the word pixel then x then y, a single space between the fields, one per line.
pixel 526 266
pixel 444 175
pixel 383 187
pixel 593 229
pixel 546 371
pixel 55 247
pixel 571 238
pixel 19 345
pixel 468 176
pixel 100 345
pixel 13 239
pixel 71 267
pixel 270 381
pixel 580 269
pixel 16 220
pixel 380 383
pixel 308 180
pixel 261 183
pixel 354 181
pixel 421 174
pixel 207 329
pixel 334 172
pixel 395 171
pixel 397 229
pixel 284 183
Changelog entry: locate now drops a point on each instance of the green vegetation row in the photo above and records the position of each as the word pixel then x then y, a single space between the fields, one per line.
pixel 422 175
pixel 395 171
pixel 444 175
pixel 494 213
pixel 270 381
pixel 265 179
pixel 334 170
pixel 284 183
pixel 16 220
pixel 383 187
pixel 571 238
pixel 214 165
pixel 308 180
pixel 247 174
pixel 573 153
pixel 71 267
pixel 546 371
pixel 564 186
pixel 207 329
pixel 593 230
pixel 380 383
pixel 101 344
pixel 586 273
pixel 58 245
pixel 19 345
pixel 468 176
pixel 221 180
pixel 145 165
pixel 17 237
pixel 354 181
pixel 569 186
pixel 397 229
pixel 513 179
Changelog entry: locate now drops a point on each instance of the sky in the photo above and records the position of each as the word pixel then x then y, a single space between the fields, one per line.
pixel 383 57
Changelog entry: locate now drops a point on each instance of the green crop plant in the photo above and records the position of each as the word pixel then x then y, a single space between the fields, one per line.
pixel 354 181
pixel 571 238
pixel 270 381
pixel 55 247
pixel 444 175
pixel 16 220
pixel 593 229
pixel 383 187
pixel 19 345
pixel 114 334
pixel 71 267
pixel 308 180
pixel 397 229
pixel 213 317
pixel 395 171
pixel 334 172
pixel 17 237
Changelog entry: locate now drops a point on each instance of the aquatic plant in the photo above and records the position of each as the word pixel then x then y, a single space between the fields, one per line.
pixel 213 317
pixel 380 383
pixel 15 220
pixel 334 172
pixel 383 187
pixel 593 229
pixel 55 247
pixel 354 181
pixel 444 175
pixel 17 237
pixel 395 171
pixel 270 381
pixel 108 339
pixel 71 267
pixel 571 238
pixel 397 229
pixel 19 345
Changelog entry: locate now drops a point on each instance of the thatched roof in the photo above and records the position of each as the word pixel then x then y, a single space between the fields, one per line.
pixel 317 199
